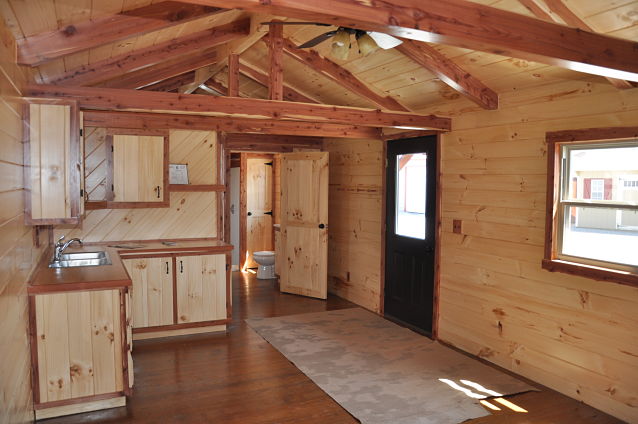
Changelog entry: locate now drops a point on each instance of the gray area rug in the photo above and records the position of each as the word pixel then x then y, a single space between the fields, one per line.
pixel 381 372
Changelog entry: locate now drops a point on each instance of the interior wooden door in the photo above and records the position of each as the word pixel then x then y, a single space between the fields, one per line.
pixel 304 224
pixel 259 206
pixel 138 168
pixel 152 291
pixel 201 288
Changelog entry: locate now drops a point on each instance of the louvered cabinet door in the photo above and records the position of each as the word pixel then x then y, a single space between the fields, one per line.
pixel 201 288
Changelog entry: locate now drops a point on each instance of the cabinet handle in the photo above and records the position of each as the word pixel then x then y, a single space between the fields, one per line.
pixel 167 270
pixel 159 191
pixel 181 267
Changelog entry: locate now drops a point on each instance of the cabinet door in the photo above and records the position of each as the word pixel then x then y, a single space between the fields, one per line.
pixel 152 291
pixel 53 164
pixel 201 288
pixel 138 168
pixel 79 344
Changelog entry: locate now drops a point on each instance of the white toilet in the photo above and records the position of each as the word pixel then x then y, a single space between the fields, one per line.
pixel 266 261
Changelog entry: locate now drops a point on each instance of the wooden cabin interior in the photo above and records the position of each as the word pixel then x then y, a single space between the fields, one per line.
pixel 463 171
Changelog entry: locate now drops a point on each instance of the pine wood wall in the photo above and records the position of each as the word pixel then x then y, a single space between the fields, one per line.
pixel 573 334
pixel 354 229
pixel 190 215
pixel 17 254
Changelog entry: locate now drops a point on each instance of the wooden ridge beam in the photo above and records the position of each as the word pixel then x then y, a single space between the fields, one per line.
pixel 450 73
pixel 40 48
pixel 118 65
pixel 116 99
pixel 290 94
pixel 137 120
pixel 340 75
pixel 468 25
pixel 162 71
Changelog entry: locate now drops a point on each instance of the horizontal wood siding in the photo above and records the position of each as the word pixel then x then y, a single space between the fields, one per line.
pixel 190 215
pixel 573 334
pixel 354 233
pixel 17 254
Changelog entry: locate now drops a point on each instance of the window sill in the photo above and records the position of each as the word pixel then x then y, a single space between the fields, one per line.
pixel 593 272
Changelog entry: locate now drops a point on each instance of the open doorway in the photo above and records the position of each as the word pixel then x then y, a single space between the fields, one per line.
pixel 253 206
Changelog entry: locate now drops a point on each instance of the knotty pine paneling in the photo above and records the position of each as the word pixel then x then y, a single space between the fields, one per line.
pixel 190 215
pixel 354 230
pixel 17 254
pixel 572 334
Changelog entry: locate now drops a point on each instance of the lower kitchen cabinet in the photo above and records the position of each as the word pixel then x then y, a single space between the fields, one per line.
pixel 178 293
pixel 201 288
pixel 80 351
pixel 152 293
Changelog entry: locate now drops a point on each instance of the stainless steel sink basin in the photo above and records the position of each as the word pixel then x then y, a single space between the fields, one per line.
pixel 75 259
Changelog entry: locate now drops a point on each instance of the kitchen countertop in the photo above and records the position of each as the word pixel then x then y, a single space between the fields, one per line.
pixel 54 280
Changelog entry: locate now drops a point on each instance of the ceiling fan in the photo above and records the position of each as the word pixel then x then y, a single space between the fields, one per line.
pixel 367 41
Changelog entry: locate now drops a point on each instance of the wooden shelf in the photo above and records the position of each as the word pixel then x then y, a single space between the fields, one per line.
pixel 196 187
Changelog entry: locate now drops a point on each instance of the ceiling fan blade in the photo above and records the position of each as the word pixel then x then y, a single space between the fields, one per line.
pixel 317 40
pixel 295 23
pixel 384 41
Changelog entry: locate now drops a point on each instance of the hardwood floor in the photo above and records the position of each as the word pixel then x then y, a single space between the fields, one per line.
pixel 238 377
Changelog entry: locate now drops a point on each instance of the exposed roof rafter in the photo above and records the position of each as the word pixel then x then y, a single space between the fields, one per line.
pixel 450 73
pixel 44 47
pixel 121 64
pixel 164 70
pixel 339 75
pixel 465 24
pixel 257 31
pixel 561 10
pixel 290 94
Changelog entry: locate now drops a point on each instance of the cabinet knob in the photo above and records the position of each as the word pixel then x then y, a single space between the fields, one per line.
pixel 322 226
pixel 250 214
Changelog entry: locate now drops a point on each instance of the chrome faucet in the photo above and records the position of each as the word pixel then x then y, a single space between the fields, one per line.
pixel 61 247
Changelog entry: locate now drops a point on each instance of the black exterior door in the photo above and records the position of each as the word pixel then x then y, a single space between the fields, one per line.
pixel 411 231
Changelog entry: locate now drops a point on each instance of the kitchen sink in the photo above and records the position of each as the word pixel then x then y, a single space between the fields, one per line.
pixel 78 259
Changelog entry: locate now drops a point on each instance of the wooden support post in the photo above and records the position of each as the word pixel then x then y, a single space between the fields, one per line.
pixel 233 75
pixel 275 51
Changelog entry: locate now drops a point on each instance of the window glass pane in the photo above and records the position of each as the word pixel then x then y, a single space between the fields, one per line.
pixel 604 234
pixel 410 195
pixel 603 174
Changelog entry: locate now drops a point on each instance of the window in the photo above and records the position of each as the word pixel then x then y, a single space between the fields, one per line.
pixel 411 192
pixel 597 189
pixel 593 218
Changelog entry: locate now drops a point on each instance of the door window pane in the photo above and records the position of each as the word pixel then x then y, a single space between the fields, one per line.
pixel 411 195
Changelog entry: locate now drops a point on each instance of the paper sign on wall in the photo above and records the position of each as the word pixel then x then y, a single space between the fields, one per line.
pixel 177 173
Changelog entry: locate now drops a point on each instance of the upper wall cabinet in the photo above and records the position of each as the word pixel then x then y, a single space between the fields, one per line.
pixel 137 170
pixel 53 160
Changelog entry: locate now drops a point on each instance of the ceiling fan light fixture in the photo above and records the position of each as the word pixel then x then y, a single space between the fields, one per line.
pixel 366 44
pixel 384 41
pixel 341 44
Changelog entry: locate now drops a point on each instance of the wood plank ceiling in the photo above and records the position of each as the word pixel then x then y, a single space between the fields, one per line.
pixel 388 79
